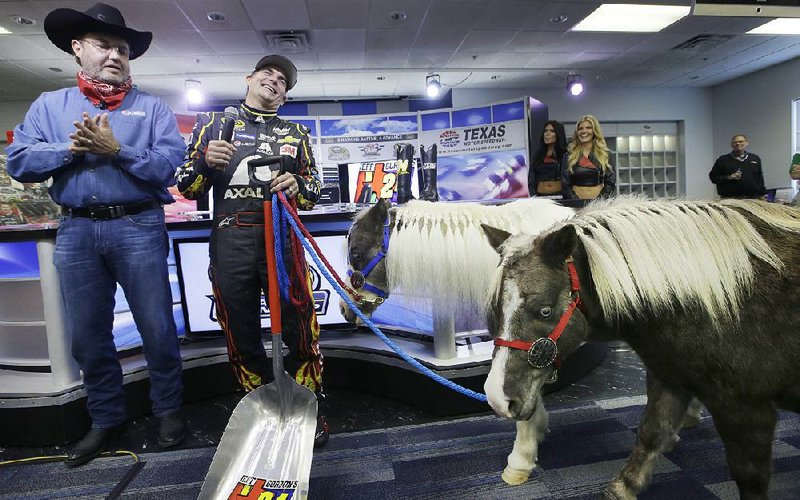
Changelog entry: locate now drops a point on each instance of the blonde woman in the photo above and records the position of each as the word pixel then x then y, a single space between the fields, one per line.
pixel 587 173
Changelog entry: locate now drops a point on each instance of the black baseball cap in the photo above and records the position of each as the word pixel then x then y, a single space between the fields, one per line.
pixel 285 65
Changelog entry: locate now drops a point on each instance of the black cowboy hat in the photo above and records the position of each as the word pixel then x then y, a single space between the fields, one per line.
pixel 64 25
pixel 285 65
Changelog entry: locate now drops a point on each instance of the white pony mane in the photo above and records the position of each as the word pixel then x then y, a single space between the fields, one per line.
pixel 655 254
pixel 439 251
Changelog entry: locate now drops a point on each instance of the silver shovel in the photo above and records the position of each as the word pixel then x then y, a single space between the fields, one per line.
pixel 268 444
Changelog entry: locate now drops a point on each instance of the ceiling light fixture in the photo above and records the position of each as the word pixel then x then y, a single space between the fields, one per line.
pixel 433 85
pixel 574 84
pixel 780 26
pixel 398 15
pixel 632 18
pixel 194 92
pixel 215 16
pixel 22 20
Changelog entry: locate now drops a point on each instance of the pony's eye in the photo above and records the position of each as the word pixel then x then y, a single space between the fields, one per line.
pixel 355 257
pixel 545 312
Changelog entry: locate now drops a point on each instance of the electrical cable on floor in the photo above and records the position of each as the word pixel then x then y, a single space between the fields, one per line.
pixel 56 458
pixel 118 488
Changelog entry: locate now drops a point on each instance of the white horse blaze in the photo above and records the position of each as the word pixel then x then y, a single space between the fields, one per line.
pixel 493 387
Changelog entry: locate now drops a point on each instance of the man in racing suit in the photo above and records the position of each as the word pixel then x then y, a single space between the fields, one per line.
pixel 238 261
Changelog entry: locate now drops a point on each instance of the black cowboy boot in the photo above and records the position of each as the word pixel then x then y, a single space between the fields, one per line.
pixel 429 191
pixel 91 445
pixel 405 166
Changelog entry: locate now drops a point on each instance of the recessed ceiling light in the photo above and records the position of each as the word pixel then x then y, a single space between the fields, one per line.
pixel 22 20
pixel 57 70
pixel 398 15
pixel 381 77
pixel 494 77
pixel 215 16
pixel 632 18
pixel 559 19
pixel 695 77
pixel 780 26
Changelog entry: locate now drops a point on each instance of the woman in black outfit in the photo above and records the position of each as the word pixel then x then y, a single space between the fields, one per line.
pixel 544 176
pixel 587 173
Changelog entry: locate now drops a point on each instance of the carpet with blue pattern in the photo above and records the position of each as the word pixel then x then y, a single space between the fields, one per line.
pixel 455 459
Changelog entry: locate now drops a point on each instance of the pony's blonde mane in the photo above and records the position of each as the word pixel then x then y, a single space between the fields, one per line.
pixel 439 251
pixel 652 255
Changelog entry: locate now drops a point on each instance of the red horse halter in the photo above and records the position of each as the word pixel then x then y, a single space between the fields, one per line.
pixel 543 352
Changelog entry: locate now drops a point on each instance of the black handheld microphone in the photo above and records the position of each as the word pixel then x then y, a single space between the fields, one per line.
pixel 231 114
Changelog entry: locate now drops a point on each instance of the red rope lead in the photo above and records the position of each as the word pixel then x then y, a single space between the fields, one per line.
pixel 311 240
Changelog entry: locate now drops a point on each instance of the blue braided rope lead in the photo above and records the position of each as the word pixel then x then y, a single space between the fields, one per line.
pixel 413 362
pixel 278 229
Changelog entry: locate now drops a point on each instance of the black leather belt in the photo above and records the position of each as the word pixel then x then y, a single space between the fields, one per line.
pixel 111 212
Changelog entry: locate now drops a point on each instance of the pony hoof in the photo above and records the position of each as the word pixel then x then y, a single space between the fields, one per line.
pixel 689 422
pixel 515 477
pixel 617 490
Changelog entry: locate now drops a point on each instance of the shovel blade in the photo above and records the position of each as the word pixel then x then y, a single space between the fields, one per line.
pixel 268 444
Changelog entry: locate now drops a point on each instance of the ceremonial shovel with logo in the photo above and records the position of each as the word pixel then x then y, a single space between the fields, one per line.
pixel 268 444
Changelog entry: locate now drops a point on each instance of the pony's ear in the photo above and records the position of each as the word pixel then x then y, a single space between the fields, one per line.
pixel 495 236
pixel 560 244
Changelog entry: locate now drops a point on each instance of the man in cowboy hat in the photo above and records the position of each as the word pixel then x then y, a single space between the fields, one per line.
pixel 111 151
pixel 238 267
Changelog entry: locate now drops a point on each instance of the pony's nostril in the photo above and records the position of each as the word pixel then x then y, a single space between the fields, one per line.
pixel 514 407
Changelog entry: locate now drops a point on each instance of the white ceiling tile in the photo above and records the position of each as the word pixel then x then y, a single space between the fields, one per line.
pixel 384 39
pixel 453 14
pixel 20 47
pixel 509 15
pixel 429 59
pixel 282 15
pixel 386 58
pixel 235 42
pixel 339 40
pixel 340 14
pixel 575 12
pixel 153 15
pixel 342 61
pixel 197 11
pixel 181 43
pixel 486 40
pixel 414 10
pixel 439 39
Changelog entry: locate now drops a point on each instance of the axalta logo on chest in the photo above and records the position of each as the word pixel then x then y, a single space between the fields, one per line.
pixel 243 192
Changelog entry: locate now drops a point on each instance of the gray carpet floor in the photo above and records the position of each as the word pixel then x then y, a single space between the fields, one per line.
pixel 456 459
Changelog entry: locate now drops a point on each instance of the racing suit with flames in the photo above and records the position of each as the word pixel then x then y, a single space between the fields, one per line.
pixel 238 261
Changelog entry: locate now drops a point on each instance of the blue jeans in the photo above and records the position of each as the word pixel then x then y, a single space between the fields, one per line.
pixel 91 257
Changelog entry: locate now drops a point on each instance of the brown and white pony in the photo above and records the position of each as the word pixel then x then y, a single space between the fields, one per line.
pixel 706 293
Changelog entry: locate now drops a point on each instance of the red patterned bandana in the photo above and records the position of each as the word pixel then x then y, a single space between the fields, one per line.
pixel 103 95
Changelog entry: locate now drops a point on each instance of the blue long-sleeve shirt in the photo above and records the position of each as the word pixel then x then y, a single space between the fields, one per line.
pixel 145 127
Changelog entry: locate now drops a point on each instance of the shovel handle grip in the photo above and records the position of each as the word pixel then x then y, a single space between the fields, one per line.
pixel 272 271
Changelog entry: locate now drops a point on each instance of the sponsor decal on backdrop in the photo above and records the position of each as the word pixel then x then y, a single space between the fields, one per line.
pixel 448 139
pixel 371 150
pixel 338 153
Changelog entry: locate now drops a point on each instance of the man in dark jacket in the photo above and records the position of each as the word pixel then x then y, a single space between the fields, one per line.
pixel 738 173
pixel 238 262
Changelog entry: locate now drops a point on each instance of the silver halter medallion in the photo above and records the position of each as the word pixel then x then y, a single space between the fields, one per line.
pixel 542 353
